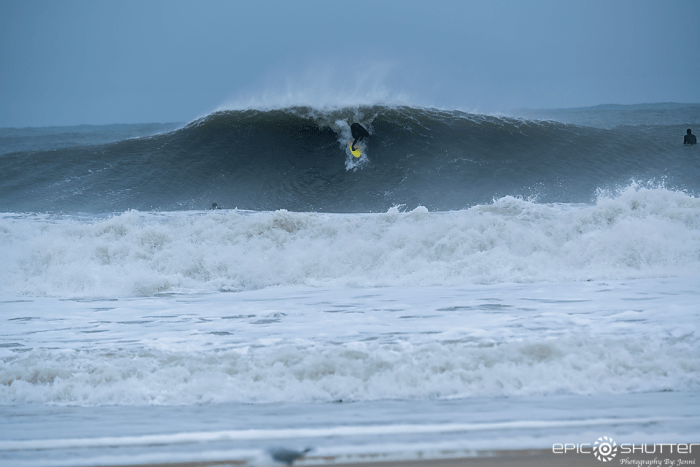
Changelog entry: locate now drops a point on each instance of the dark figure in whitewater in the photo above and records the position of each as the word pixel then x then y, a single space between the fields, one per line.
pixel 358 132
pixel 690 138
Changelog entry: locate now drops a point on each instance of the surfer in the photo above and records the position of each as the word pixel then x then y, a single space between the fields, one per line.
pixel 687 139
pixel 358 132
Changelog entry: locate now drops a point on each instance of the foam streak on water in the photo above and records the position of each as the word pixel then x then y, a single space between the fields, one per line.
pixel 432 369
pixel 307 344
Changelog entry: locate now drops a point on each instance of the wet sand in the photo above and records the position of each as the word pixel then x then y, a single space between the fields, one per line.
pixel 515 458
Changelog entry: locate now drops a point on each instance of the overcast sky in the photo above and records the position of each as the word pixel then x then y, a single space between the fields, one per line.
pixel 68 62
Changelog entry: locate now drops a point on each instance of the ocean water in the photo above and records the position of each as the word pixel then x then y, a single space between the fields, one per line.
pixel 473 282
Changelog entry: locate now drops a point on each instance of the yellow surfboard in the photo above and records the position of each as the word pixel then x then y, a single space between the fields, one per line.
pixel 357 152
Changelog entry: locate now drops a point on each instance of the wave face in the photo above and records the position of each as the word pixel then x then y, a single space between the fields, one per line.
pixel 297 159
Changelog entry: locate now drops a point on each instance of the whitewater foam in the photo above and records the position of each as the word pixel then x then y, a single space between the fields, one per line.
pixel 641 233
pixel 306 373
pixel 301 344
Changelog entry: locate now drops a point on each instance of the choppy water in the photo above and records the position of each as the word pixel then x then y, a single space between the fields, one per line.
pixel 472 282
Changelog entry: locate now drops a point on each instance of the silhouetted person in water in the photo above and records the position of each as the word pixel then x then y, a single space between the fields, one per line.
pixel 358 132
pixel 690 138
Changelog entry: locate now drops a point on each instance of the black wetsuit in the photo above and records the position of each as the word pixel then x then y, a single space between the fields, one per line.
pixel 358 132
pixel 690 139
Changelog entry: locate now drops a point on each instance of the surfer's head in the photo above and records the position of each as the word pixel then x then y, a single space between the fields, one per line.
pixel 688 131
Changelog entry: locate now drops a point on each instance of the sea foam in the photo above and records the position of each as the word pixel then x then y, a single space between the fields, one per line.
pixel 639 233
pixel 304 372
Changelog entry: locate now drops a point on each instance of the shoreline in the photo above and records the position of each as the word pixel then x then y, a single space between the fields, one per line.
pixel 483 458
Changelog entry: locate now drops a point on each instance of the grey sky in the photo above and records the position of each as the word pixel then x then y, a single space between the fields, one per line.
pixel 96 62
